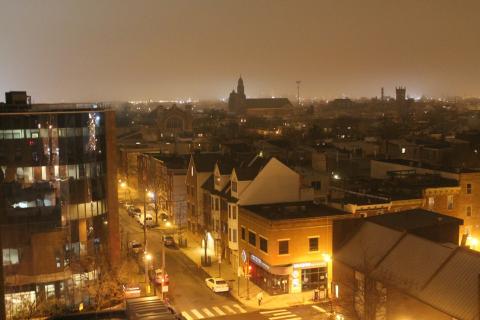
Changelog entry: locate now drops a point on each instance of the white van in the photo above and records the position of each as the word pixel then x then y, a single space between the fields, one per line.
pixel 148 220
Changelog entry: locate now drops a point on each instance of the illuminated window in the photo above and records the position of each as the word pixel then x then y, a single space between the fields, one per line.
pixel 10 256
pixel 431 202
pixel 404 150
pixel 283 246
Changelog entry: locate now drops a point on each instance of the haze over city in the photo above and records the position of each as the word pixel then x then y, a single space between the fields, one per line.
pixel 135 50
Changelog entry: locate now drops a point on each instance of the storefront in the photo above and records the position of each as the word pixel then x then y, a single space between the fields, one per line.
pixel 310 276
pixel 272 279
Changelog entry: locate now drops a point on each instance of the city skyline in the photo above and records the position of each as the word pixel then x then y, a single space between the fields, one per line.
pixel 88 51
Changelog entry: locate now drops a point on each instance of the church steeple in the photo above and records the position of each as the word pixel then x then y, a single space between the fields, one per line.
pixel 240 87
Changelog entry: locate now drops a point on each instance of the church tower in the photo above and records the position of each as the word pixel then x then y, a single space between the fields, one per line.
pixel 238 100
pixel 240 87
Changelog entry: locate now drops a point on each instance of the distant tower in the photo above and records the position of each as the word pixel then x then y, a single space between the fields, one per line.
pixel 383 95
pixel 240 87
pixel 237 101
pixel 298 92
pixel 400 93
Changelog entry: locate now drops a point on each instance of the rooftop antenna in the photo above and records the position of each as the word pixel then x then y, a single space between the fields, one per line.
pixel 298 92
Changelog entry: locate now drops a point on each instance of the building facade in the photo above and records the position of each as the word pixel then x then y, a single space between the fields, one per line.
pixel 60 209
pixel 286 247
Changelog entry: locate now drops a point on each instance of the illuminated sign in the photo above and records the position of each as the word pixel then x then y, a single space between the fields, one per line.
pixel 244 256
pixel 259 262
pixel 309 265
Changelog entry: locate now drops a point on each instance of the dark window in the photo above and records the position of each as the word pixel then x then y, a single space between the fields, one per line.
pixel 469 188
pixel 243 233
pixel 264 244
pixel 317 185
pixel 234 186
pixel 313 244
pixel 252 238
pixel 283 247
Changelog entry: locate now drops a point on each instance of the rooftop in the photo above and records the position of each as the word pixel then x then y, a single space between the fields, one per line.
pixel 294 210
pixel 417 164
pixel 173 161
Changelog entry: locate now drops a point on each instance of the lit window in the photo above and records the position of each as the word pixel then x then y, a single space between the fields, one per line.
pixel 431 202
pixel 404 150
pixel 10 256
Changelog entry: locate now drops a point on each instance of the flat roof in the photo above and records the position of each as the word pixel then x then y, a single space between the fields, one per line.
pixel 294 210
pixel 417 164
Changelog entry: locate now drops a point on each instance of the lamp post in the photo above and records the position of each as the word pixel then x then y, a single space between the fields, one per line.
pixel 145 238
pixel 123 185
pixel 147 258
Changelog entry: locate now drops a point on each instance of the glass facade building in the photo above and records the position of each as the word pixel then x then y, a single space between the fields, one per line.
pixel 56 214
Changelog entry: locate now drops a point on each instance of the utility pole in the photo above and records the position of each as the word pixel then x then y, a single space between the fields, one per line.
pixel 298 92
pixel 145 240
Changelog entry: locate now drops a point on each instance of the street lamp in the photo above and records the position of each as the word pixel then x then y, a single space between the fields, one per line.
pixel 123 185
pixel 147 258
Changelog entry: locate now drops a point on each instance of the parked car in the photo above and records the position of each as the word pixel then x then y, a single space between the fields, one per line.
pixel 159 277
pixel 217 284
pixel 134 211
pixel 135 246
pixel 131 291
pixel 168 241
pixel 147 220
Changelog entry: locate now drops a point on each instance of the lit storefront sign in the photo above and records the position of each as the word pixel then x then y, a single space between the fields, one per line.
pixel 259 262
pixel 304 265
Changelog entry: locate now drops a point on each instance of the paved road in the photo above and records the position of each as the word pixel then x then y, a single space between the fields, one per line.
pixel 187 290
pixel 308 312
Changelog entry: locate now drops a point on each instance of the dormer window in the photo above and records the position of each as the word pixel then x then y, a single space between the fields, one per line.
pixel 234 186
pixel 217 180
pixel 191 172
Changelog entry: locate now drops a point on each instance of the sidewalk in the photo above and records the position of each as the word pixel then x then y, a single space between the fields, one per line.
pixel 194 252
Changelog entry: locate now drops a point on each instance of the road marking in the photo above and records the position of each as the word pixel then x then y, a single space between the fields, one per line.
pixel 282 313
pixel 219 311
pixel 240 308
pixel 320 309
pixel 272 311
pixel 229 309
pixel 208 312
pixel 186 315
pixel 197 314
pixel 284 317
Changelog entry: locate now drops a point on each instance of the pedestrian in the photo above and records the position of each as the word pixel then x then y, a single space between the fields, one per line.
pixel 259 297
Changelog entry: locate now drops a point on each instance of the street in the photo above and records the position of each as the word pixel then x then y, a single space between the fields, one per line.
pixel 306 312
pixel 188 292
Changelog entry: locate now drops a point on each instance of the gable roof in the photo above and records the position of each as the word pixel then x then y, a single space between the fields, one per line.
pixel 443 276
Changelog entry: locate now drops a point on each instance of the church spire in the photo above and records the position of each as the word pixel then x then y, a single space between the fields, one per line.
pixel 240 87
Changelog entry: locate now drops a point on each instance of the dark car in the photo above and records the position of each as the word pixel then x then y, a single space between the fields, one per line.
pixel 168 241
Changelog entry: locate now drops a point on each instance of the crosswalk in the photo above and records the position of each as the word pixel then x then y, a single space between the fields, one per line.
pixel 280 314
pixel 215 311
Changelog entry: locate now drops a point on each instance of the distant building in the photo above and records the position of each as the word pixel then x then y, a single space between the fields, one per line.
pixel 173 121
pixel 400 94
pixel 266 107
pixel 59 206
